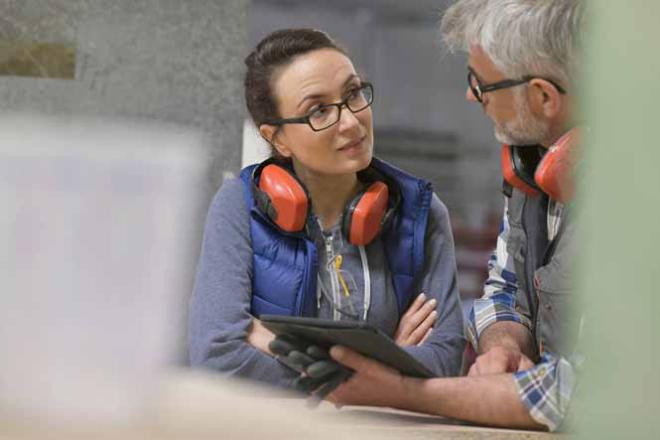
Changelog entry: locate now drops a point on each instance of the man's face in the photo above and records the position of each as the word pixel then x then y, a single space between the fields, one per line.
pixel 508 108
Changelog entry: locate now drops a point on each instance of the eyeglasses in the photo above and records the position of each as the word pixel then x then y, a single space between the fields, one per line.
pixel 325 116
pixel 478 89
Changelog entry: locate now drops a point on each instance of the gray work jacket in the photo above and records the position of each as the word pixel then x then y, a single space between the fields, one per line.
pixel 543 267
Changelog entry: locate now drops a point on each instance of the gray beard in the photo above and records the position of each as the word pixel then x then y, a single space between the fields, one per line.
pixel 526 129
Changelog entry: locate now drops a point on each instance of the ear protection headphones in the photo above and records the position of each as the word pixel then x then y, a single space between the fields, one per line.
pixel 283 198
pixel 534 170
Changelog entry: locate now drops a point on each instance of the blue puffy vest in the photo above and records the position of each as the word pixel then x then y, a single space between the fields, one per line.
pixel 285 265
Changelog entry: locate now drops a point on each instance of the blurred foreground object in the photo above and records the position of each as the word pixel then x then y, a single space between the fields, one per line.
pixel 95 226
pixel 620 392
pixel 195 405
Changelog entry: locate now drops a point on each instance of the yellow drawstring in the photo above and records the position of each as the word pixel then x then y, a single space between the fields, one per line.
pixel 342 281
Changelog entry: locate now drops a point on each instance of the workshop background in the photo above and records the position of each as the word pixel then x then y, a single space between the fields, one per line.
pixel 422 121
pixel 111 111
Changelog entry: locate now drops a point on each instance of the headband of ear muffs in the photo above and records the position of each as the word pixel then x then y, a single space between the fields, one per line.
pixel 284 199
pixel 552 172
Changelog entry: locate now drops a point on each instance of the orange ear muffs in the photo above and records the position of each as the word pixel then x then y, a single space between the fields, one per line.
pixel 282 197
pixel 555 175
pixel 366 214
pixel 533 171
pixel 518 165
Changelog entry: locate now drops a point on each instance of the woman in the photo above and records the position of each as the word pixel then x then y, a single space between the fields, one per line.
pixel 321 252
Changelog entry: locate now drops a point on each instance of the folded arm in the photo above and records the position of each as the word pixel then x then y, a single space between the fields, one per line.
pixel 223 334
pixel 442 348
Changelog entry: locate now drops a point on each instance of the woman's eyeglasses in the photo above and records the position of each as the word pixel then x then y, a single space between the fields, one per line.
pixel 326 115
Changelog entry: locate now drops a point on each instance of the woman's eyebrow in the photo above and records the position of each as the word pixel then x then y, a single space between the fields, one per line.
pixel 350 79
pixel 313 96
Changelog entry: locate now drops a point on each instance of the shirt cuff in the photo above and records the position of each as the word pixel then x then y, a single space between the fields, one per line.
pixel 486 312
pixel 546 390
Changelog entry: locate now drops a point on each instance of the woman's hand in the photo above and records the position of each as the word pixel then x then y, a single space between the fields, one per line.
pixel 417 323
pixel 259 337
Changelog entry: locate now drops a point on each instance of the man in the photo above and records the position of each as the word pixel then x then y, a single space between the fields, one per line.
pixel 522 56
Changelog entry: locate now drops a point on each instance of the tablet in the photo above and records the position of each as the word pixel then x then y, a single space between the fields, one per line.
pixel 358 336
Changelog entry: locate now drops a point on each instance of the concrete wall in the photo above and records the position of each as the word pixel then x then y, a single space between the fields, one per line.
pixel 166 60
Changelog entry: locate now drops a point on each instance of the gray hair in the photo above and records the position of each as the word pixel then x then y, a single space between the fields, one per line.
pixel 522 37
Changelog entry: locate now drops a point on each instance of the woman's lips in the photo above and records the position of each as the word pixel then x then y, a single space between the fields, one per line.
pixel 353 146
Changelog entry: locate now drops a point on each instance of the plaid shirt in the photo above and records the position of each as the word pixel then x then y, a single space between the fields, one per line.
pixel 546 388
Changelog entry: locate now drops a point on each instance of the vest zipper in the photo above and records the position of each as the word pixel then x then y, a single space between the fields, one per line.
pixel 333 276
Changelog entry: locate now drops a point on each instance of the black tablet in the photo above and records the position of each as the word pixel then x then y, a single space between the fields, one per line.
pixel 357 336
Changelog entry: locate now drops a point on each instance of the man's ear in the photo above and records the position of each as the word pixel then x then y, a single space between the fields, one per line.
pixel 271 133
pixel 545 98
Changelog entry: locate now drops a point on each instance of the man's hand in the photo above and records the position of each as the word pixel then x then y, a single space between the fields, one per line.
pixel 417 323
pixel 500 359
pixel 505 347
pixel 372 383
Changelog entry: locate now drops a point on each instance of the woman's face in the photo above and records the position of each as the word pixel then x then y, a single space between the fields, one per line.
pixel 321 77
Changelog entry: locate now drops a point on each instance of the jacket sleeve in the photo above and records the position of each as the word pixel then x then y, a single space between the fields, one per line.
pixel 219 313
pixel 442 351
pixel 500 299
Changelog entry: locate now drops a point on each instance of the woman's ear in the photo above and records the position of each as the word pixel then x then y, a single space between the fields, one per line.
pixel 546 99
pixel 271 133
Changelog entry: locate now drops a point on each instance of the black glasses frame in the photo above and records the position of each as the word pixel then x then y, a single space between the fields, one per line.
pixel 479 90
pixel 340 105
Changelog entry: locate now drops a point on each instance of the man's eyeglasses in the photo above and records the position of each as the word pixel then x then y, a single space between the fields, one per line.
pixel 478 89
pixel 327 115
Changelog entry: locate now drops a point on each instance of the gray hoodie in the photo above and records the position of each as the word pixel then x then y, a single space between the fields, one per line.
pixel 220 317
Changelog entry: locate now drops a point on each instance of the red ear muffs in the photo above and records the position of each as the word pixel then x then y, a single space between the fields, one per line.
pixel 555 175
pixel 365 215
pixel 283 199
pixel 552 173
pixel 518 165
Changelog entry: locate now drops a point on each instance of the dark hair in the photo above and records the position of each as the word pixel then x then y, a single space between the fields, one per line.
pixel 277 50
